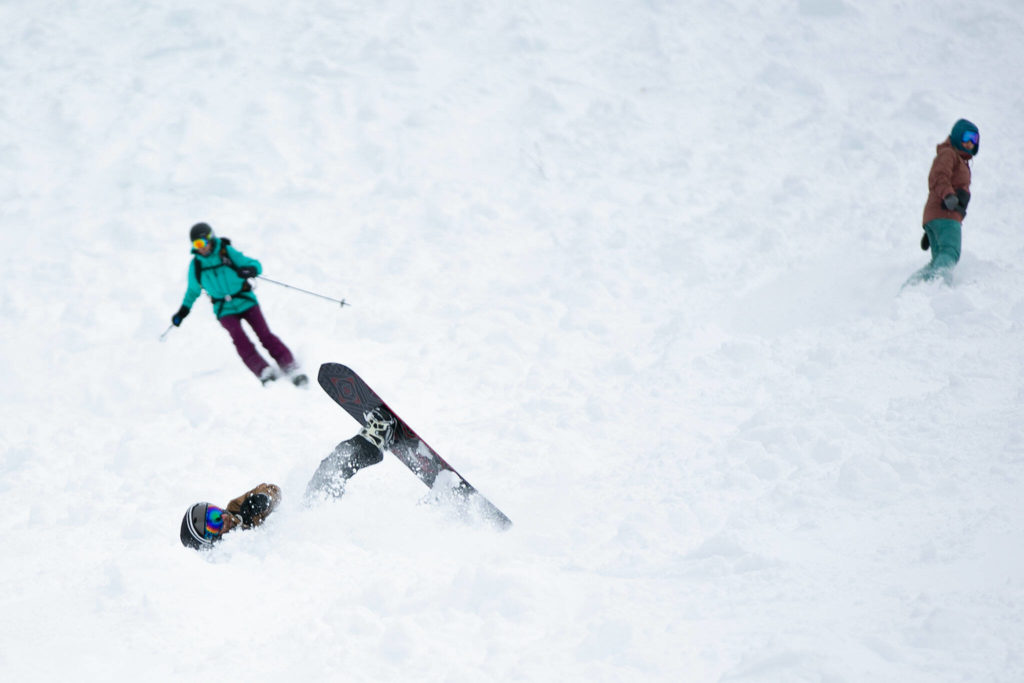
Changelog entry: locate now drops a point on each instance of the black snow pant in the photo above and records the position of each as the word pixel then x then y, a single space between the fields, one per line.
pixel 347 458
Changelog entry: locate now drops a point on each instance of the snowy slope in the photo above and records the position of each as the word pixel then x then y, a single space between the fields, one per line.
pixel 633 268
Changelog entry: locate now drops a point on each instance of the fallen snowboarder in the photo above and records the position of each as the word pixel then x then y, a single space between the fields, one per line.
pixel 204 523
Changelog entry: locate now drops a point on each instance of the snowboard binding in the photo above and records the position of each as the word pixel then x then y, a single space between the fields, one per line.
pixel 380 427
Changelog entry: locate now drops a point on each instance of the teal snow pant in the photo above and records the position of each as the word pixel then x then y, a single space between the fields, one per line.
pixel 944 236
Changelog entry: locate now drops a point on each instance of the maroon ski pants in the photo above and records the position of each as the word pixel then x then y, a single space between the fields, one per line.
pixel 250 356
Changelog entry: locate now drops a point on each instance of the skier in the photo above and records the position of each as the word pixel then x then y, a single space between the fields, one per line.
pixel 224 273
pixel 949 191
pixel 204 523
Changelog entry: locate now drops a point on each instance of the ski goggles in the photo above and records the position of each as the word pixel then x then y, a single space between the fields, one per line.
pixel 202 242
pixel 214 522
pixel 970 136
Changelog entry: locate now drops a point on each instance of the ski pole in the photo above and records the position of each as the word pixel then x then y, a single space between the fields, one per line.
pixel 306 291
pixel 169 328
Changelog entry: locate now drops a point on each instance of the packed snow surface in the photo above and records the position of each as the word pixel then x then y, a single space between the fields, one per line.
pixel 633 268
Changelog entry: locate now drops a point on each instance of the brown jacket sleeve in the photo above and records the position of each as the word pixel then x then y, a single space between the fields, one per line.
pixel 271 490
pixel 940 178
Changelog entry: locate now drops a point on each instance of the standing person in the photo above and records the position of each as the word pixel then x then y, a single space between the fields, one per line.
pixel 949 191
pixel 204 523
pixel 224 273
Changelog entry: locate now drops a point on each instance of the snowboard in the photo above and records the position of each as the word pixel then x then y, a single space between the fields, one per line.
pixel 446 485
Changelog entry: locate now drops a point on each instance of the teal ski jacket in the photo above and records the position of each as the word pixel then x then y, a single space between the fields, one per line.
pixel 216 273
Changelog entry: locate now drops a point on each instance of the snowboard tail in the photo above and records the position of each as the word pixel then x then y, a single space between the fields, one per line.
pixel 354 395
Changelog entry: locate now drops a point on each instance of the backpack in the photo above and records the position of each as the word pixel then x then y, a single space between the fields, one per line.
pixel 225 261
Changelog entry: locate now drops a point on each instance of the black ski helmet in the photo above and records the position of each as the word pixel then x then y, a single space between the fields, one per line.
pixel 193 528
pixel 200 231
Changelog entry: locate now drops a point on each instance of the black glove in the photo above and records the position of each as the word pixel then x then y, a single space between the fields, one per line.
pixel 247 272
pixel 925 243
pixel 964 197
pixel 254 508
pixel 180 315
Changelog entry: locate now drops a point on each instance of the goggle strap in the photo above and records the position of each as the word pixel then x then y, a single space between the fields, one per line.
pixel 202 539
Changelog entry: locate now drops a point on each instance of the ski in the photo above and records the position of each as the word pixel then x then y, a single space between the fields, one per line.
pixel 446 485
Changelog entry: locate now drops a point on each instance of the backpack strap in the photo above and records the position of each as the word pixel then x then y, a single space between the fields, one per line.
pixel 225 261
pixel 243 293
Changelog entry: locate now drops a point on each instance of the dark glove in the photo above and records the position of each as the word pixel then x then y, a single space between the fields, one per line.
pixel 964 197
pixel 925 243
pixel 255 508
pixel 247 272
pixel 180 315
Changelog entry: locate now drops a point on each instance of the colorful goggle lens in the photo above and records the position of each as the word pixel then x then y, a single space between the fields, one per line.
pixel 970 136
pixel 214 522
pixel 201 243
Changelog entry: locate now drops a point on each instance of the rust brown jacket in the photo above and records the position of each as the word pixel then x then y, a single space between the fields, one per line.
pixel 950 172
